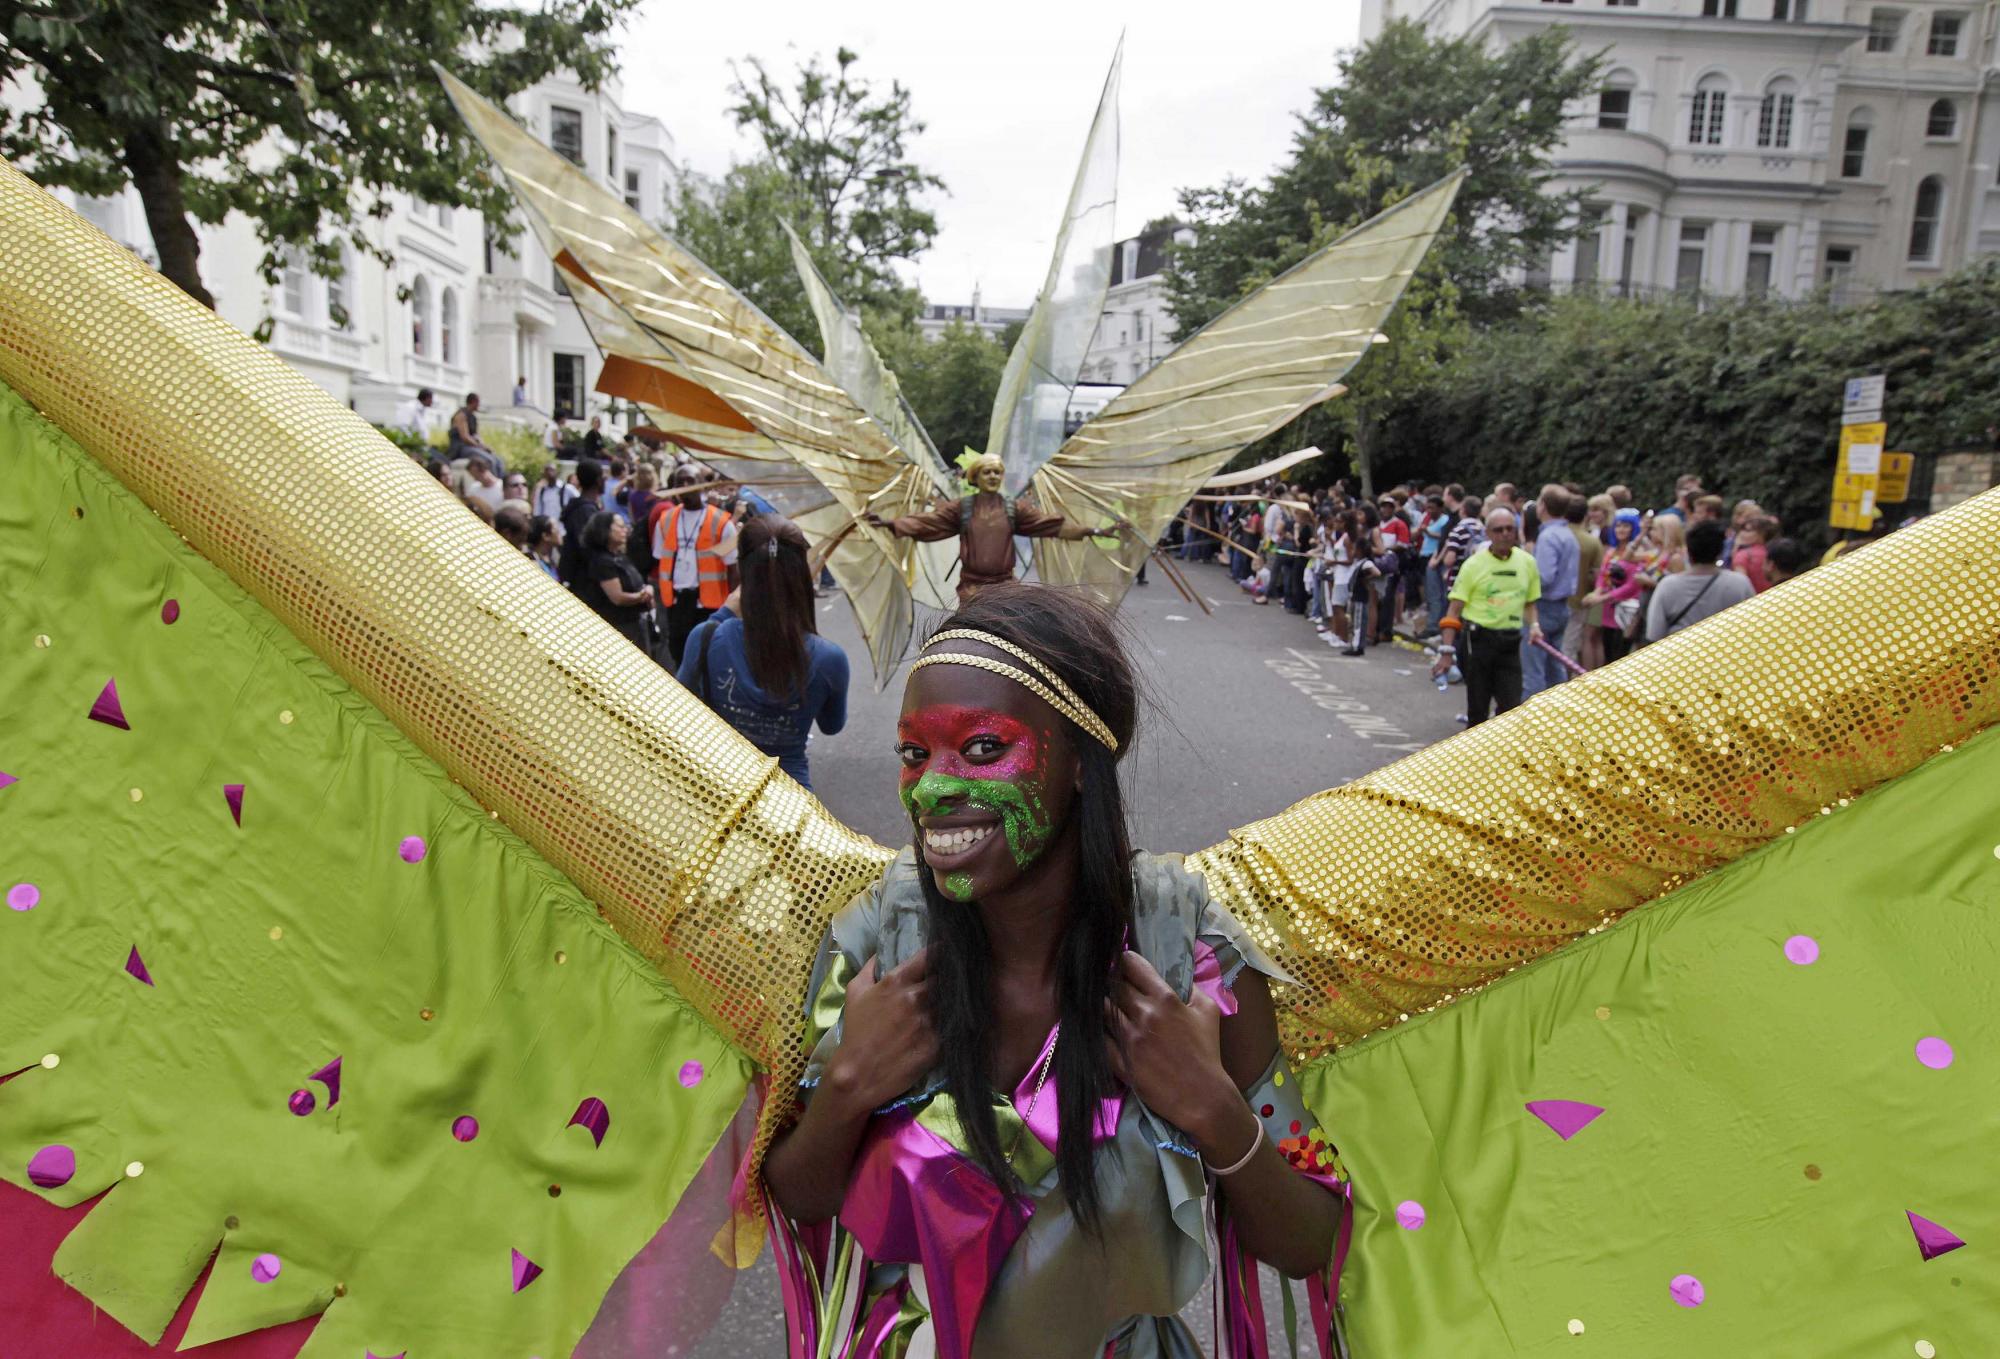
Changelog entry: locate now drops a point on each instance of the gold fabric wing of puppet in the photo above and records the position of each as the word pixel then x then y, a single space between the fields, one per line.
pixel 718 341
pixel 1272 355
pixel 1033 398
pixel 860 370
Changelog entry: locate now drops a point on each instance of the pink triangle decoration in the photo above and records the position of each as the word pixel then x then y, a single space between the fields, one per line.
pixel 329 1076
pixel 593 1115
pixel 1932 1239
pixel 526 1271
pixel 108 709
pixel 137 967
pixel 232 793
pixel 1566 1116
pixel 6 778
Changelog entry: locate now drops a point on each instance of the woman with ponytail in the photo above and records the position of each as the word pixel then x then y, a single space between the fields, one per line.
pixel 769 673
pixel 1043 1066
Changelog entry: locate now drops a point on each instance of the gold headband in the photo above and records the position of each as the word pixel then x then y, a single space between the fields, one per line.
pixel 1049 687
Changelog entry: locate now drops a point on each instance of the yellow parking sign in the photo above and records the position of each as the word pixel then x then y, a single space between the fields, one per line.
pixel 1893 486
pixel 1856 479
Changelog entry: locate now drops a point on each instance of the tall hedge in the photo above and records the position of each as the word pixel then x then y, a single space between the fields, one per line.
pixel 1747 394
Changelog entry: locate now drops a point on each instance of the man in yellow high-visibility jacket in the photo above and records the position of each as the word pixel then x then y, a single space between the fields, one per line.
pixel 1491 601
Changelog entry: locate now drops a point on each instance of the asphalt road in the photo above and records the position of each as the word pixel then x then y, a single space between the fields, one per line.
pixel 1250 712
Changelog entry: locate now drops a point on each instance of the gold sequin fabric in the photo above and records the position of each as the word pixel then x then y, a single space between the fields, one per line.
pixel 1394 894
pixel 714 865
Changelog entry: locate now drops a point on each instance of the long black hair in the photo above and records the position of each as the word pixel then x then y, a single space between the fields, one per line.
pixel 1079 641
pixel 778 611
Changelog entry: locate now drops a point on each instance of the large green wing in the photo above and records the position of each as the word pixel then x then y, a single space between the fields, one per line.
pixel 286 990
pixel 1768 1048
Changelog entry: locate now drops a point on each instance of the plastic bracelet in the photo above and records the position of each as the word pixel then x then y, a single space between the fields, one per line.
pixel 1256 1142
pixel 1452 623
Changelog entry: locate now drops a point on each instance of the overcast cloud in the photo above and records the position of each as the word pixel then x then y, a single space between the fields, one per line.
pixel 1007 91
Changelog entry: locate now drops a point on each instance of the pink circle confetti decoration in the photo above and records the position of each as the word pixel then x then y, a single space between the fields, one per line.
pixel 301 1102
pixel 170 612
pixel 691 1074
pixel 1409 1215
pixel 52 1167
pixel 1802 949
pixel 1934 1053
pixel 1687 1290
pixel 24 896
pixel 412 849
pixel 266 1267
pixel 465 1127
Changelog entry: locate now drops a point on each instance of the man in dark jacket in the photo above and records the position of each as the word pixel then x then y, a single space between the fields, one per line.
pixel 589 502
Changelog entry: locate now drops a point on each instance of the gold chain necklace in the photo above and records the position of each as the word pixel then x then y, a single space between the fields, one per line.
pixel 1048 1060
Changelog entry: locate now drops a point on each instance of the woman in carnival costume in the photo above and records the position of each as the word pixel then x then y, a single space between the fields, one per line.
pixel 1039 1060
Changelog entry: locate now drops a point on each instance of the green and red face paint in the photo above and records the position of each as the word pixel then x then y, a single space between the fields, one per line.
pixel 1011 783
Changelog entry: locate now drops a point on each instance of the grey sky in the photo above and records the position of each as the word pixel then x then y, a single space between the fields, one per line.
pixel 1007 92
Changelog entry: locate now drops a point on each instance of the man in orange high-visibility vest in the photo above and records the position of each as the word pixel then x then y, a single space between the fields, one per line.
pixel 695 544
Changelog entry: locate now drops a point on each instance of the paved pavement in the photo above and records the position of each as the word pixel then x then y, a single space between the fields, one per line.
pixel 1250 712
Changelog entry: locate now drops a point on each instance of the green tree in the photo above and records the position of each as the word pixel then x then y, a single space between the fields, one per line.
pixel 733 225
pixel 1406 110
pixel 306 116
pixel 950 382
pixel 840 148
pixel 834 167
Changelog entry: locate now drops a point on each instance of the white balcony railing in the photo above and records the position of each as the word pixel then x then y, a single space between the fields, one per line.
pixel 443 377
pixel 522 299
pixel 301 339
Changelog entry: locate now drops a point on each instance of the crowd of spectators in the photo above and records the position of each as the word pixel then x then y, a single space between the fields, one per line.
pixel 1514 595
pixel 1511 595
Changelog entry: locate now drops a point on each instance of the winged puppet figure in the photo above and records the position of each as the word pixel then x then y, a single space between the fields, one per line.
pixel 714 372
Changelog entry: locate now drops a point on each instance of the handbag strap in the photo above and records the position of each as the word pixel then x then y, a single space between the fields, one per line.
pixel 701 664
pixel 1675 621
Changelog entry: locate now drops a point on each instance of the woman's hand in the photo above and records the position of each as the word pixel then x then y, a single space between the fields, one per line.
pixel 887 1041
pixel 1170 1053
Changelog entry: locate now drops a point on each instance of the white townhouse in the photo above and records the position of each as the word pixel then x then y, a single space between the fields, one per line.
pixel 1767 146
pixel 454 312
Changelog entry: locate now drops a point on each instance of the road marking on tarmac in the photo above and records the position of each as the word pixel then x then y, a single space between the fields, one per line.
pixel 1302 671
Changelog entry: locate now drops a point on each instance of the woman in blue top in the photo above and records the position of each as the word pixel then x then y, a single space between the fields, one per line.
pixel 769 673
